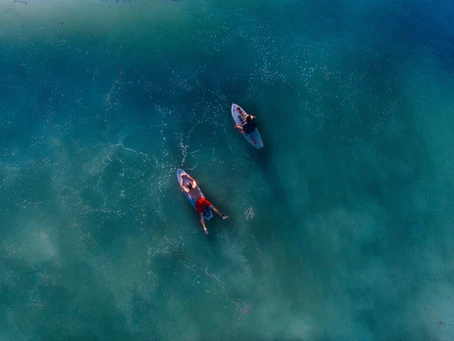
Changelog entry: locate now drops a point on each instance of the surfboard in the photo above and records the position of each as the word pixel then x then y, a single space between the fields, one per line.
pixel 207 213
pixel 239 116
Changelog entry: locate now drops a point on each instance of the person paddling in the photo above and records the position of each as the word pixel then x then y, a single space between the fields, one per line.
pixel 249 125
pixel 193 190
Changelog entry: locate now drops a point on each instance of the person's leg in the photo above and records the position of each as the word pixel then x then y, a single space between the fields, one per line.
pixel 217 211
pixel 239 128
pixel 199 207
pixel 202 220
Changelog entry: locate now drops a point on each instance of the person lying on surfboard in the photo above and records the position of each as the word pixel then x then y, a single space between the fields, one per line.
pixel 248 126
pixel 200 201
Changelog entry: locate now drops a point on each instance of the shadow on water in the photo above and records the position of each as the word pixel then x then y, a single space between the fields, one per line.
pixel 279 198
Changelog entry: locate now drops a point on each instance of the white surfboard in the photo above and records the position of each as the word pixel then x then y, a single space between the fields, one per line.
pixel 239 116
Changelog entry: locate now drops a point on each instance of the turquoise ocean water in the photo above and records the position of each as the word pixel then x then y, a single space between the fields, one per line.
pixel 341 228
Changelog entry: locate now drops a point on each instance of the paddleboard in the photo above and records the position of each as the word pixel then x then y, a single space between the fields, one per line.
pixel 207 213
pixel 239 116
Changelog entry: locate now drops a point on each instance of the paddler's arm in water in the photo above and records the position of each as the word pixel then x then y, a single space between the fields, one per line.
pixel 202 220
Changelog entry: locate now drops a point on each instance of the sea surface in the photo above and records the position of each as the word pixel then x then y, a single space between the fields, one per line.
pixel 340 229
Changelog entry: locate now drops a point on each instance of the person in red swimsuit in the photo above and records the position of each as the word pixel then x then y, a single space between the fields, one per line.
pixel 200 201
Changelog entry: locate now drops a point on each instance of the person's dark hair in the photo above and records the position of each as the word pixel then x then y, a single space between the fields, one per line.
pixel 248 118
pixel 189 185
